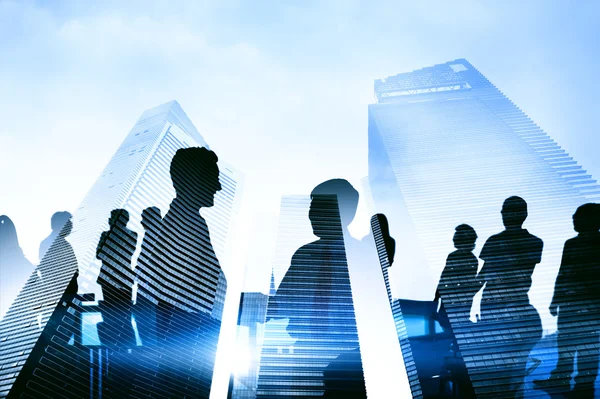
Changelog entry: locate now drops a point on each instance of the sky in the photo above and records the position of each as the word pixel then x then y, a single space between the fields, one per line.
pixel 279 89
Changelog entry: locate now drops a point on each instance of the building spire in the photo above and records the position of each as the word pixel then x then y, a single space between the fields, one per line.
pixel 272 287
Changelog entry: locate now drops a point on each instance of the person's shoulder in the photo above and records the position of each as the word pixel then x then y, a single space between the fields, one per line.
pixel 307 249
pixel 491 247
pixel 572 241
pixel 496 237
pixel 461 256
pixel 535 240
pixel 494 240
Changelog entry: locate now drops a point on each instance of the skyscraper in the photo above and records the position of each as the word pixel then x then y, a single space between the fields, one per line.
pixel 293 231
pixel 447 147
pixel 135 178
pixel 250 336
pixel 316 352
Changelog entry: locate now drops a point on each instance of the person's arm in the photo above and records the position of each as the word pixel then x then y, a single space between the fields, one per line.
pixel 443 278
pixel 101 243
pixel 560 286
pixel 485 255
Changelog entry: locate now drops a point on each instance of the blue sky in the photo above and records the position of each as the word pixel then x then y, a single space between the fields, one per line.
pixel 279 89
pixel 288 81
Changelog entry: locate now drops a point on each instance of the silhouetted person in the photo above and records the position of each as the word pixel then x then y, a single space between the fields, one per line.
pixel 181 279
pixel 60 254
pixel 510 258
pixel 458 283
pixel 57 222
pixel 144 309
pixel 58 344
pixel 576 301
pixel 373 302
pixel 315 295
pixel 115 249
pixel 15 269
pixel 388 241
pixel 457 286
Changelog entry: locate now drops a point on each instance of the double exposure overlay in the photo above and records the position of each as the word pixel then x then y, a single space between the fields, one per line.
pixel 476 275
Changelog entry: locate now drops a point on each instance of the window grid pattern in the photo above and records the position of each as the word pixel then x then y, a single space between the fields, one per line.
pixel 453 157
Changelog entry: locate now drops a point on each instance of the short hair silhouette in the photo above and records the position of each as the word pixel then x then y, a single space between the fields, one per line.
pixel 59 219
pixel 67 228
pixel 149 214
pixel 117 215
pixel 587 218
pixel 464 237
pixel 346 194
pixel 514 211
pixel 193 175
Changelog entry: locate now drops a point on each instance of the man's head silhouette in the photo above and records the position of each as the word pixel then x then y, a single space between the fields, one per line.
pixel 150 215
pixel 514 212
pixel 587 218
pixel 465 237
pixel 66 230
pixel 58 220
pixel 195 176
pixel 332 207
pixel 118 216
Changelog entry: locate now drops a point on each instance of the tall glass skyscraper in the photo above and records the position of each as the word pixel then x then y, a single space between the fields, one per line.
pixel 250 336
pixel 446 147
pixel 317 353
pixel 35 349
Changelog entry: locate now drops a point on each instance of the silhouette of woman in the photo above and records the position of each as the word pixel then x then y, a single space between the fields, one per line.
pixel 458 283
pixel 144 309
pixel 115 250
pixel 15 269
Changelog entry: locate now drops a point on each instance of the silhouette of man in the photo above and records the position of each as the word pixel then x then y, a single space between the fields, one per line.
pixel 510 258
pixel 60 335
pixel 458 283
pixel 144 309
pixel 57 222
pixel 115 249
pixel 61 251
pixel 379 338
pixel 15 269
pixel 181 279
pixel 576 301
pixel 315 295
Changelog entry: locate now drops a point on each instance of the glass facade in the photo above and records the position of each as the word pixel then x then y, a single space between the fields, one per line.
pixel 314 351
pixel 250 336
pixel 446 147
pixel 37 340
